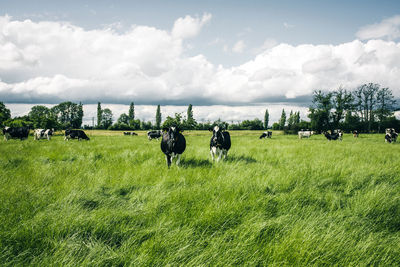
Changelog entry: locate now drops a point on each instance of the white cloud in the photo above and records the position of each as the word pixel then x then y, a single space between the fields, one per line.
pixel 189 27
pixel 239 46
pixel 287 25
pixel 50 62
pixel 387 28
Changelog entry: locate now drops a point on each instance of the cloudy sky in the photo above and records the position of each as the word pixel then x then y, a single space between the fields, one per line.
pixel 230 59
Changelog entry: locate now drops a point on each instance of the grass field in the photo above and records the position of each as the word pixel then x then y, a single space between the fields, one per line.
pixel 283 201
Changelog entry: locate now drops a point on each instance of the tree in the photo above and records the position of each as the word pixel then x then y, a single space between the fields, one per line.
pixel 158 117
pixel 190 122
pixel 123 118
pixel 99 115
pixel 177 121
pixel 68 114
pixel 385 102
pixel 5 114
pixel 365 96
pixel 42 117
pixel 266 119
pixel 342 102
pixel 320 111
pixel 290 121
pixel 106 118
pixel 131 113
pixel 282 121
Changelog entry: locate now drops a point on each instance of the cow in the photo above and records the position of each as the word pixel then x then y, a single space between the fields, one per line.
pixel 332 136
pixel 220 143
pixel 305 134
pixel 355 134
pixel 173 143
pixel 73 134
pixel 15 133
pixel 391 135
pixel 154 134
pixel 42 134
pixel 340 134
pixel 267 134
pixel 130 133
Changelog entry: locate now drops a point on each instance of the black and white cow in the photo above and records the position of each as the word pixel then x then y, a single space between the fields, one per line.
pixel 173 143
pixel 355 134
pixel 130 133
pixel 220 143
pixel 391 135
pixel 340 133
pixel 154 134
pixel 267 134
pixel 42 134
pixel 75 134
pixel 331 136
pixel 15 133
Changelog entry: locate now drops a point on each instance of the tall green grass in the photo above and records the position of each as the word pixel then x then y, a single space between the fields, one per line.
pixel 280 201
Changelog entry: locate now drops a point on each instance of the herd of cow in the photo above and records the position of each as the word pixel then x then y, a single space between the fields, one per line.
pixel 173 143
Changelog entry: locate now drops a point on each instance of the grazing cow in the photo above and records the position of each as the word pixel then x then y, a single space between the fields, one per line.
pixel 15 132
pixel 340 134
pixel 42 134
pixel 391 135
pixel 130 133
pixel 267 134
pixel 305 134
pixel 332 136
pixel 173 143
pixel 73 134
pixel 220 143
pixel 154 134
pixel 355 134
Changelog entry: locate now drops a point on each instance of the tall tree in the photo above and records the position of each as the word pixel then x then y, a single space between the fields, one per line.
pixel 123 118
pixel 5 114
pixel 68 114
pixel 342 102
pixel 190 121
pixel 158 117
pixel 385 102
pixel 320 111
pixel 42 117
pixel 106 118
pixel 290 121
pixel 131 113
pixel 266 119
pixel 365 96
pixel 282 121
pixel 99 115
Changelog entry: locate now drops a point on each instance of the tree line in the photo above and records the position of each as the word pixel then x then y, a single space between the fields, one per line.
pixel 368 108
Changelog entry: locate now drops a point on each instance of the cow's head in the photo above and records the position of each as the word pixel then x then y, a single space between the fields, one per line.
pixel 217 137
pixel 172 133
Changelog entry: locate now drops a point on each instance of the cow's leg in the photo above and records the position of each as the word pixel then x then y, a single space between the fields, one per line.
pixel 168 158
pixel 219 152
pixel 213 152
pixel 225 153
pixel 178 160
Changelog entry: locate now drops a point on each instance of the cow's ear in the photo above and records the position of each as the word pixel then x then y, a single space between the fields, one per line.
pixel 210 129
pixel 165 129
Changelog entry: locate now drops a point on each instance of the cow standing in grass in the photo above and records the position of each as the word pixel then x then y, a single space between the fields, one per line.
pixel 355 134
pixel 305 134
pixel 220 143
pixel 267 134
pixel 15 132
pixel 153 134
pixel 391 135
pixel 42 134
pixel 75 134
pixel 173 144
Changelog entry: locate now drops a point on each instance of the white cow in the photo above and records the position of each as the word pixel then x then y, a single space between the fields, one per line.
pixel 305 134
pixel 42 134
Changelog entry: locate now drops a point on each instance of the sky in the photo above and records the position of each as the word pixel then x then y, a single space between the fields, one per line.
pixel 230 59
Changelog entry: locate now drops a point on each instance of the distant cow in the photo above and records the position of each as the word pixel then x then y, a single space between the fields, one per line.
pixel 220 143
pixel 391 135
pixel 332 136
pixel 73 134
pixel 130 133
pixel 355 134
pixel 173 143
pixel 340 134
pixel 15 133
pixel 42 134
pixel 153 134
pixel 305 134
pixel 267 134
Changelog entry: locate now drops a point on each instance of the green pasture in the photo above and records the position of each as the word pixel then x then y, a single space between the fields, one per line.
pixel 111 201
